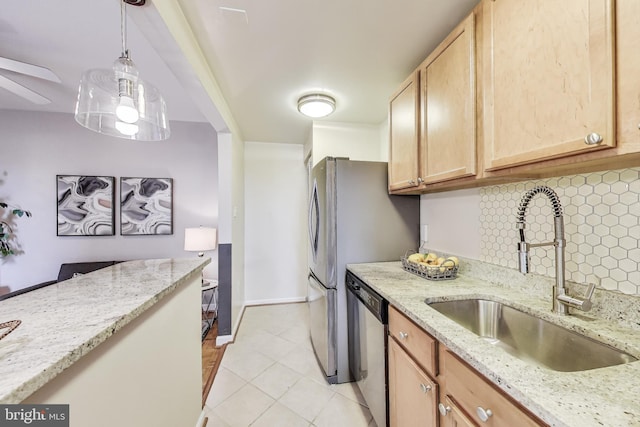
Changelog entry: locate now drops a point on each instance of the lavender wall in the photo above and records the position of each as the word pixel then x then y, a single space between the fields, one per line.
pixel 35 147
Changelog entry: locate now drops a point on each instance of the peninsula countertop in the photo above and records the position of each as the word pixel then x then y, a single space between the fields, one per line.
pixel 599 397
pixel 63 322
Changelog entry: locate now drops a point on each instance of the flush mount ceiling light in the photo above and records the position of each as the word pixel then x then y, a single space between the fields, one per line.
pixel 116 102
pixel 316 105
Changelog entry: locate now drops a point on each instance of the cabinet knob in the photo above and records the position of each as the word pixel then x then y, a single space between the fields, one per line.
pixel 403 335
pixel 411 182
pixel 483 414
pixel 444 410
pixel 420 180
pixel 425 388
pixel 593 139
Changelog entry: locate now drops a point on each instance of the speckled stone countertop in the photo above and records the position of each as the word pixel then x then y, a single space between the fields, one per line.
pixel 598 397
pixel 63 322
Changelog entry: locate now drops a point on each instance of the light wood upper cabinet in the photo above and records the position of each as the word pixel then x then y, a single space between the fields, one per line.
pixel 403 135
pixel 547 77
pixel 628 75
pixel 413 396
pixel 448 114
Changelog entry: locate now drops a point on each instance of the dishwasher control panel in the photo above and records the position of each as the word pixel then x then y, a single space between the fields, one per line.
pixel 370 298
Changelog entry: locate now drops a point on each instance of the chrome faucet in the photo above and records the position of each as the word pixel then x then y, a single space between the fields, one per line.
pixel 560 300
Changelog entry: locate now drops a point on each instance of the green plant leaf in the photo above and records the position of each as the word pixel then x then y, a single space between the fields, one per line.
pixel 5 230
pixel 5 250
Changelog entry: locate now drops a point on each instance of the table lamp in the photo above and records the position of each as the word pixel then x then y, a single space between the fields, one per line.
pixel 200 239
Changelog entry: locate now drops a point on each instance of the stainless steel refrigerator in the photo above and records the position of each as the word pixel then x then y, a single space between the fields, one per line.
pixel 352 219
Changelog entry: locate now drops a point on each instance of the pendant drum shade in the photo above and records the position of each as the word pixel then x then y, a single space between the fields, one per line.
pixel 98 99
pixel 116 102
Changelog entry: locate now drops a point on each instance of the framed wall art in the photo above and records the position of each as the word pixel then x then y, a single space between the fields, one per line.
pixel 146 206
pixel 85 205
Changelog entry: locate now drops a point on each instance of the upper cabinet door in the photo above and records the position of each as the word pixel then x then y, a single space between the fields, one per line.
pixel 627 76
pixel 403 134
pixel 548 79
pixel 448 119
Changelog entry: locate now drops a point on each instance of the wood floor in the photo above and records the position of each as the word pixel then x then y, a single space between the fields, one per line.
pixel 211 358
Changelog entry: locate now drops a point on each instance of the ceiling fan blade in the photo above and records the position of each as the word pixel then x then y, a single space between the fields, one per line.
pixel 22 91
pixel 29 69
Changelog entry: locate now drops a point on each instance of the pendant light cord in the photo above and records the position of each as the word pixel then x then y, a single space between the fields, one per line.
pixel 123 28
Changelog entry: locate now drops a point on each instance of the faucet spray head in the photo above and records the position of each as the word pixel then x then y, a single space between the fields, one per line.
pixel 523 249
pixel 523 257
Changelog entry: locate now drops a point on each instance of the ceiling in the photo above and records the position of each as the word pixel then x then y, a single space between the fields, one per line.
pixel 359 51
pixel 71 39
pixel 264 54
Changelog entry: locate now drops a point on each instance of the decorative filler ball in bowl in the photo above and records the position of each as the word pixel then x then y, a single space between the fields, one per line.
pixel 431 266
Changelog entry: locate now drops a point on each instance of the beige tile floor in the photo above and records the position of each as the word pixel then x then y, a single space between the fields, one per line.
pixel 269 377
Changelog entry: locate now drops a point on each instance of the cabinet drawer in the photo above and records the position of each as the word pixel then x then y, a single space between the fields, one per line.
pixel 419 344
pixel 475 394
pixel 452 416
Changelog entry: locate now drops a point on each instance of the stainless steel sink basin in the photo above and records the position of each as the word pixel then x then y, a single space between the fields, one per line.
pixel 529 338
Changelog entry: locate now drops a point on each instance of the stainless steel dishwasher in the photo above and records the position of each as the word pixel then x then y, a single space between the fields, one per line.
pixel 367 314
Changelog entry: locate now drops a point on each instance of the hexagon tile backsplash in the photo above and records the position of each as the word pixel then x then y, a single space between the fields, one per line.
pixel 602 227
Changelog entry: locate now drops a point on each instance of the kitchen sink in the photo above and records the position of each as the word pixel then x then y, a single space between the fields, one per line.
pixel 529 338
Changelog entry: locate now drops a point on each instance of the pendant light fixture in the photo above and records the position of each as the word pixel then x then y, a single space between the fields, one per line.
pixel 316 105
pixel 117 102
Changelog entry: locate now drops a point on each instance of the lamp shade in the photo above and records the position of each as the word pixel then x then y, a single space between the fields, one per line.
pixel 200 239
pixel 98 104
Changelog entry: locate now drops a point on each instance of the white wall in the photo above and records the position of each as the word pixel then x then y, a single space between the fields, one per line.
pixel 275 223
pixel 238 229
pixel 124 370
pixel 356 141
pixel 453 222
pixel 308 144
pixel 383 135
pixel 38 146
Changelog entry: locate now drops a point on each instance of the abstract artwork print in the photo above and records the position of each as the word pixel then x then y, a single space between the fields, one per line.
pixel 85 205
pixel 146 206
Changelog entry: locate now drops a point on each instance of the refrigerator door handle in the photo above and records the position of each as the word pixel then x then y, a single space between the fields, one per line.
pixel 314 221
pixel 322 311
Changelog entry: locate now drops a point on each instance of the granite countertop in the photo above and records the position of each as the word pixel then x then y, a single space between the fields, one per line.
pixel 598 397
pixel 63 322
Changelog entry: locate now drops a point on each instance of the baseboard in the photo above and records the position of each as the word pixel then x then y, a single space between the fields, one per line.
pixel 201 419
pixel 275 301
pixel 224 339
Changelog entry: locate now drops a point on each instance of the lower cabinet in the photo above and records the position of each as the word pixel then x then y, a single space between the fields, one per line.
pixel 452 416
pixel 477 397
pixel 413 396
pixel 458 396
